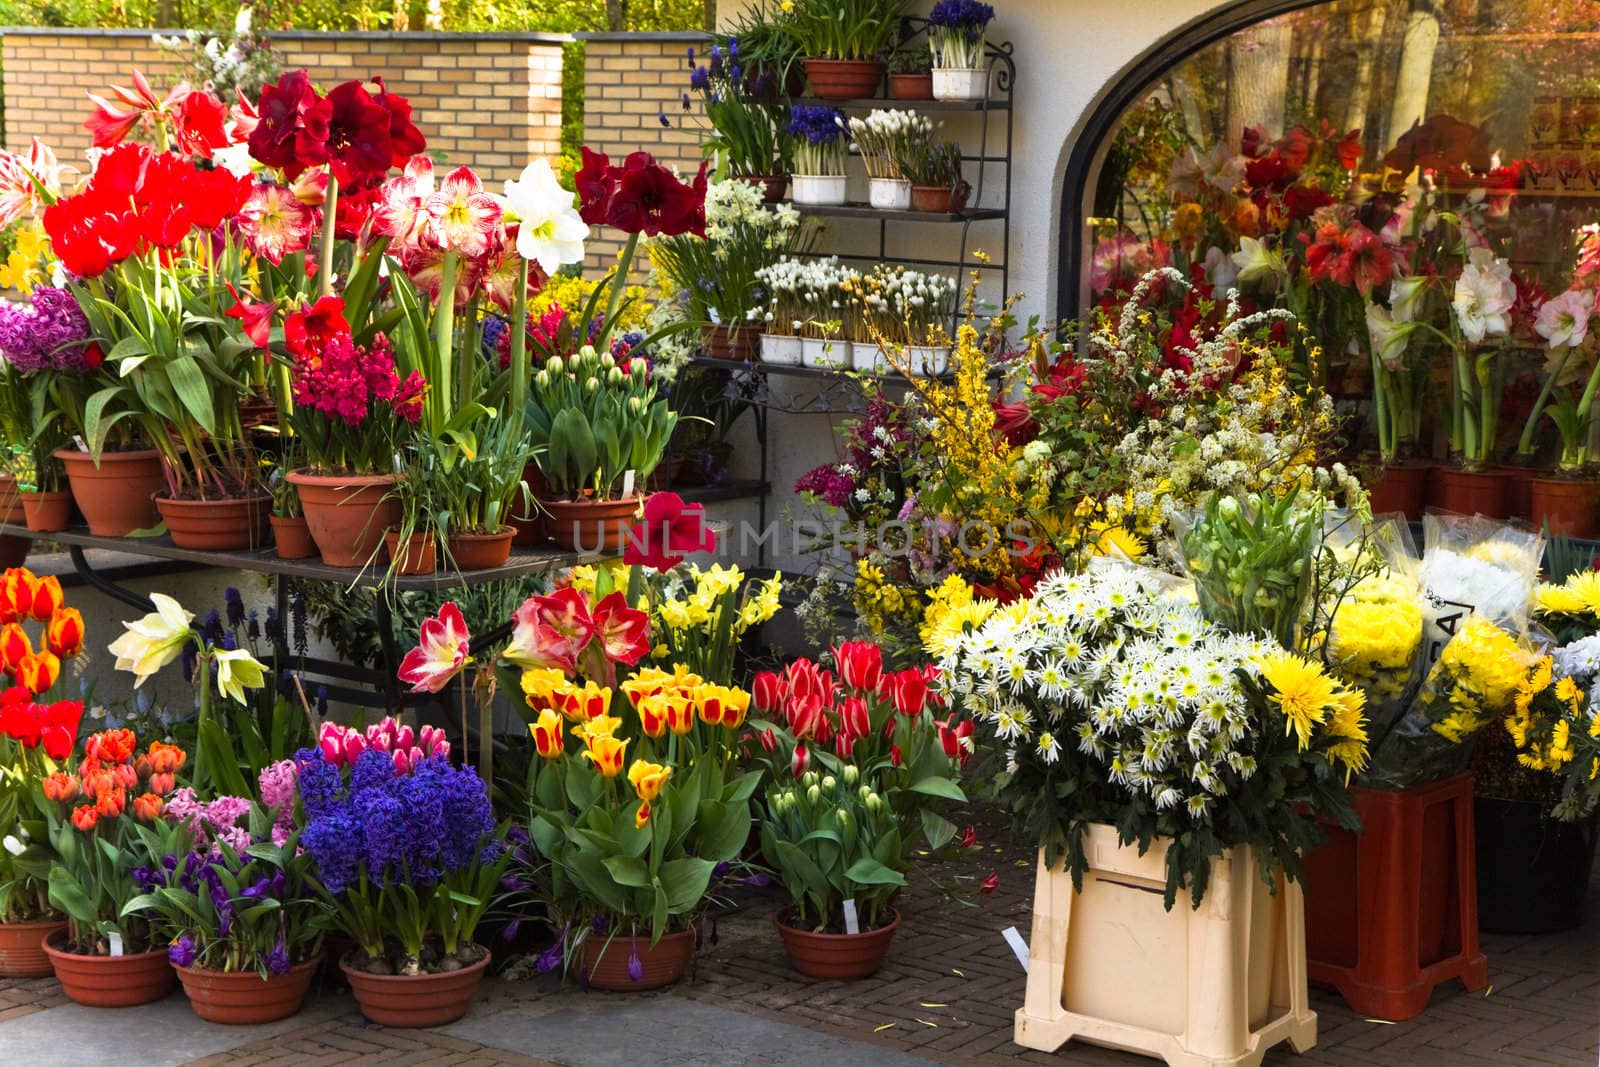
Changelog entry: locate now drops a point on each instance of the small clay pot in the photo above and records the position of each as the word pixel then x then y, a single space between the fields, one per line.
pixel 1469 492
pixel 844 79
pixel 723 342
pixel 22 948
pixel 292 537
pixel 592 526
pixel 836 956
pixel 911 86
pixel 47 512
pixel 347 513
pixel 1400 487
pixel 217 525
pixel 934 199
pixel 480 551
pixel 606 962
pixel 1570 506
pixel 110 981
pixel 772 186
pixel 419 554
pixel 244 998
pixel 1519 490
pixel 117 495
pixel 415 1000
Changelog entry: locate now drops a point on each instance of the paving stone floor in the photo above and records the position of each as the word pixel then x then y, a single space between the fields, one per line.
pixel 947 994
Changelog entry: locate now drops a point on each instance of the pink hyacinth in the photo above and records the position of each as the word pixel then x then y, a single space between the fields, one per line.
pixel 278 788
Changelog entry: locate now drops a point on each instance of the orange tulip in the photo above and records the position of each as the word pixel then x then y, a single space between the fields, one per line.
pixel 61 788
pixel 100 780
pixel 38 672
pixel 125 776
pixel 162 783
pixel 111 746
pixel 165 758
pixel 17 586
pixel 147 807
pixel 14 646
pixel 112 803
pixel 64 633
pixel 47 598
pixel 84 817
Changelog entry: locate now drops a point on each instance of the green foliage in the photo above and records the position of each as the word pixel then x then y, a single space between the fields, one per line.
pixel 456 15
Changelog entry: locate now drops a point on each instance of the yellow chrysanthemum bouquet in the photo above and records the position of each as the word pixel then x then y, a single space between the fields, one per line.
pixel 1554 729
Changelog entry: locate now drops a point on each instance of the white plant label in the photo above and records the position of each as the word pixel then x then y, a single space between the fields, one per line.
pixel 852 925
pixel 116 943
pixel 627 483
pixel 1019 946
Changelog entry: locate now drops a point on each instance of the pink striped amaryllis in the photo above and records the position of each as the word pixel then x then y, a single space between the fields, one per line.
pixel 20 179
pixel 462 217
pixel 441 653
pixel 550 631
pixel 401 212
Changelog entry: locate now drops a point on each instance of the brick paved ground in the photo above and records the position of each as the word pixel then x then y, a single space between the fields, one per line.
pixel 951 985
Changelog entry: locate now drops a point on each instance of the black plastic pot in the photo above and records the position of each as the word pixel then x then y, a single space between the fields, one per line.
pixel 1533 872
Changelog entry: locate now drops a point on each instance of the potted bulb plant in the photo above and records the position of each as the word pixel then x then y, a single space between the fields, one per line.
pixel 911 75
pixel 843 42
pixel 291 536
pixel 933 167
pixel 821 149
pixel 883 138
pixel 747 130
pixel 956 31
pixel 786 313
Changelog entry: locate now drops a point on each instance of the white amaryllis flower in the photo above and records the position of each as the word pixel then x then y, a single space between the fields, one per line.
pixel 550 232
pixel 1564 319
pixel 1258 264
pixel 1405 294
pixel 1220 272
pixel 238 670
pixel 152 642
pixel 1389 338
pixel 1484 295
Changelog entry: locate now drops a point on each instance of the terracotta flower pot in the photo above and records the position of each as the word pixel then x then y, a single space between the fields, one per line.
pixel 607 964
pixel 47 512
pixel 22 948
pixel 936 199
pixel 772 186
pixel 118 496
pixel 217 525
pixel 1571 506
pixel 110 981
pixel 292 536
pixel 722 342
pixel 1469 492
pixel 481 551
pixel 1519 490
pixel 244 998
pixel 419 554
pixel 1400 487
pixel 593 526
pixel 911 86
pixel 526 518
pixel 415 1000
pixel 840 956
pixel 844 79
pixel 11 501
pixel 347 514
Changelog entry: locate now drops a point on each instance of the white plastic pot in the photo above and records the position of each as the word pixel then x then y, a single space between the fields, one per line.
pixel 780 349
pixel 889 194
pixel 868 358
pixel 928 360
pixel 960 83
pixel 817 190
pixel 824 354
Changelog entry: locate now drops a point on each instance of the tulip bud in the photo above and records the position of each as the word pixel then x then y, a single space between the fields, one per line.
pixel 864 792
pixel 591 384
pixel 607 361
pixel 874 803
pixel 635 406
pixel 638 370
pixel 814 794
pixel 851 773
pixel 557 366
pixel 809 779
pixel 541 380
pixel 614 376
pixel 830 783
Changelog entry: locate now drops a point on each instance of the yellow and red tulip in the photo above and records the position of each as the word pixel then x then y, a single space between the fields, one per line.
pixel 15 647
pixel 47 598
pixel 548 737
pixel 38 672
pixel 17 587
pixel 722 705
pixel 63 634
pixel 607 753
pixel 648 778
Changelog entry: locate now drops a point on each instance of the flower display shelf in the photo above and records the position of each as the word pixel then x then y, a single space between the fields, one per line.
pixel 1216 985
pixel 1393 911
pixel 376 687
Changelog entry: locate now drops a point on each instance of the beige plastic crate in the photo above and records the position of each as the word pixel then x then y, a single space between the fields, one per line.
pixel 1207 988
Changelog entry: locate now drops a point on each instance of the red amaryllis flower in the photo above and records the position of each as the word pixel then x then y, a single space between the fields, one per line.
pixel 671 529
pixel 198 124
pixel 1442 143
pixel 462 217
pixel 275 223
pixel 650 199
pixel 1015 423
pixel 109 123
pixel 243 116
pixel 1366 262
pixel 358 134
pixel 595 183
pixel 623 631
pixel 292 131
pixel 256 318
pixel 405 140
pixel 424 265
pixel 213 196
pixel 354 213
pixel 309 329
pixel 550 631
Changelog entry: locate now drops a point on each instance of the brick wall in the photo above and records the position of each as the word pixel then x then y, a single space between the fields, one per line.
pixel 492 101
pixel 629 81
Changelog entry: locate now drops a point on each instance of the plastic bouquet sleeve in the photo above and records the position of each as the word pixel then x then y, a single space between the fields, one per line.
pixel 1476 566
pixel 1374 639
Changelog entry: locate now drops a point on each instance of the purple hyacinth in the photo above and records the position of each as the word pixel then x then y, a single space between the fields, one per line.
pixel 818 125
pixel 48 333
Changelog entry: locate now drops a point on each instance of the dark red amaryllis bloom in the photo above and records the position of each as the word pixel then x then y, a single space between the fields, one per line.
pixel 671 529
pixel 405 140
pixel 111 122
pixel 595 182
pixel 292 131
pixel 358 134
pixel 641 196
pixel 1442 143
pixel 309 329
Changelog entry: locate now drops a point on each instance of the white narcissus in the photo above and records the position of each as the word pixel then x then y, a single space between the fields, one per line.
pixel 550 232
pixel 152 642
pixel 1484 295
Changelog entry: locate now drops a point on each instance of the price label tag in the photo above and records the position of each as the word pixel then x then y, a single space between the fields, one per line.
pixel 627 484
pixel 852 925
pixel 116 943
pixel 1018 946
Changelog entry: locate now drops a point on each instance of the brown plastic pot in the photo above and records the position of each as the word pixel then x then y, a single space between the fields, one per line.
pixel 1570 506
pixel 772 186
pixel 347 514
pixel 481 551
pixel 723 342
pixel 1519 489
pixel 911 86
pixel 292 537
pixel 22 948
pixel 47 512
pixel 836 956
pixel 936 199
pixel 11 502
pixel 526 518
pixel 117 496
pixel 606 963
pixel 217 525
pixel 1469 492
pixel 1400 487
pixel 592 526
pixel 844 79
pixel 415 1000
pixel 110 981
pixel 244 998
pixel 418 555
